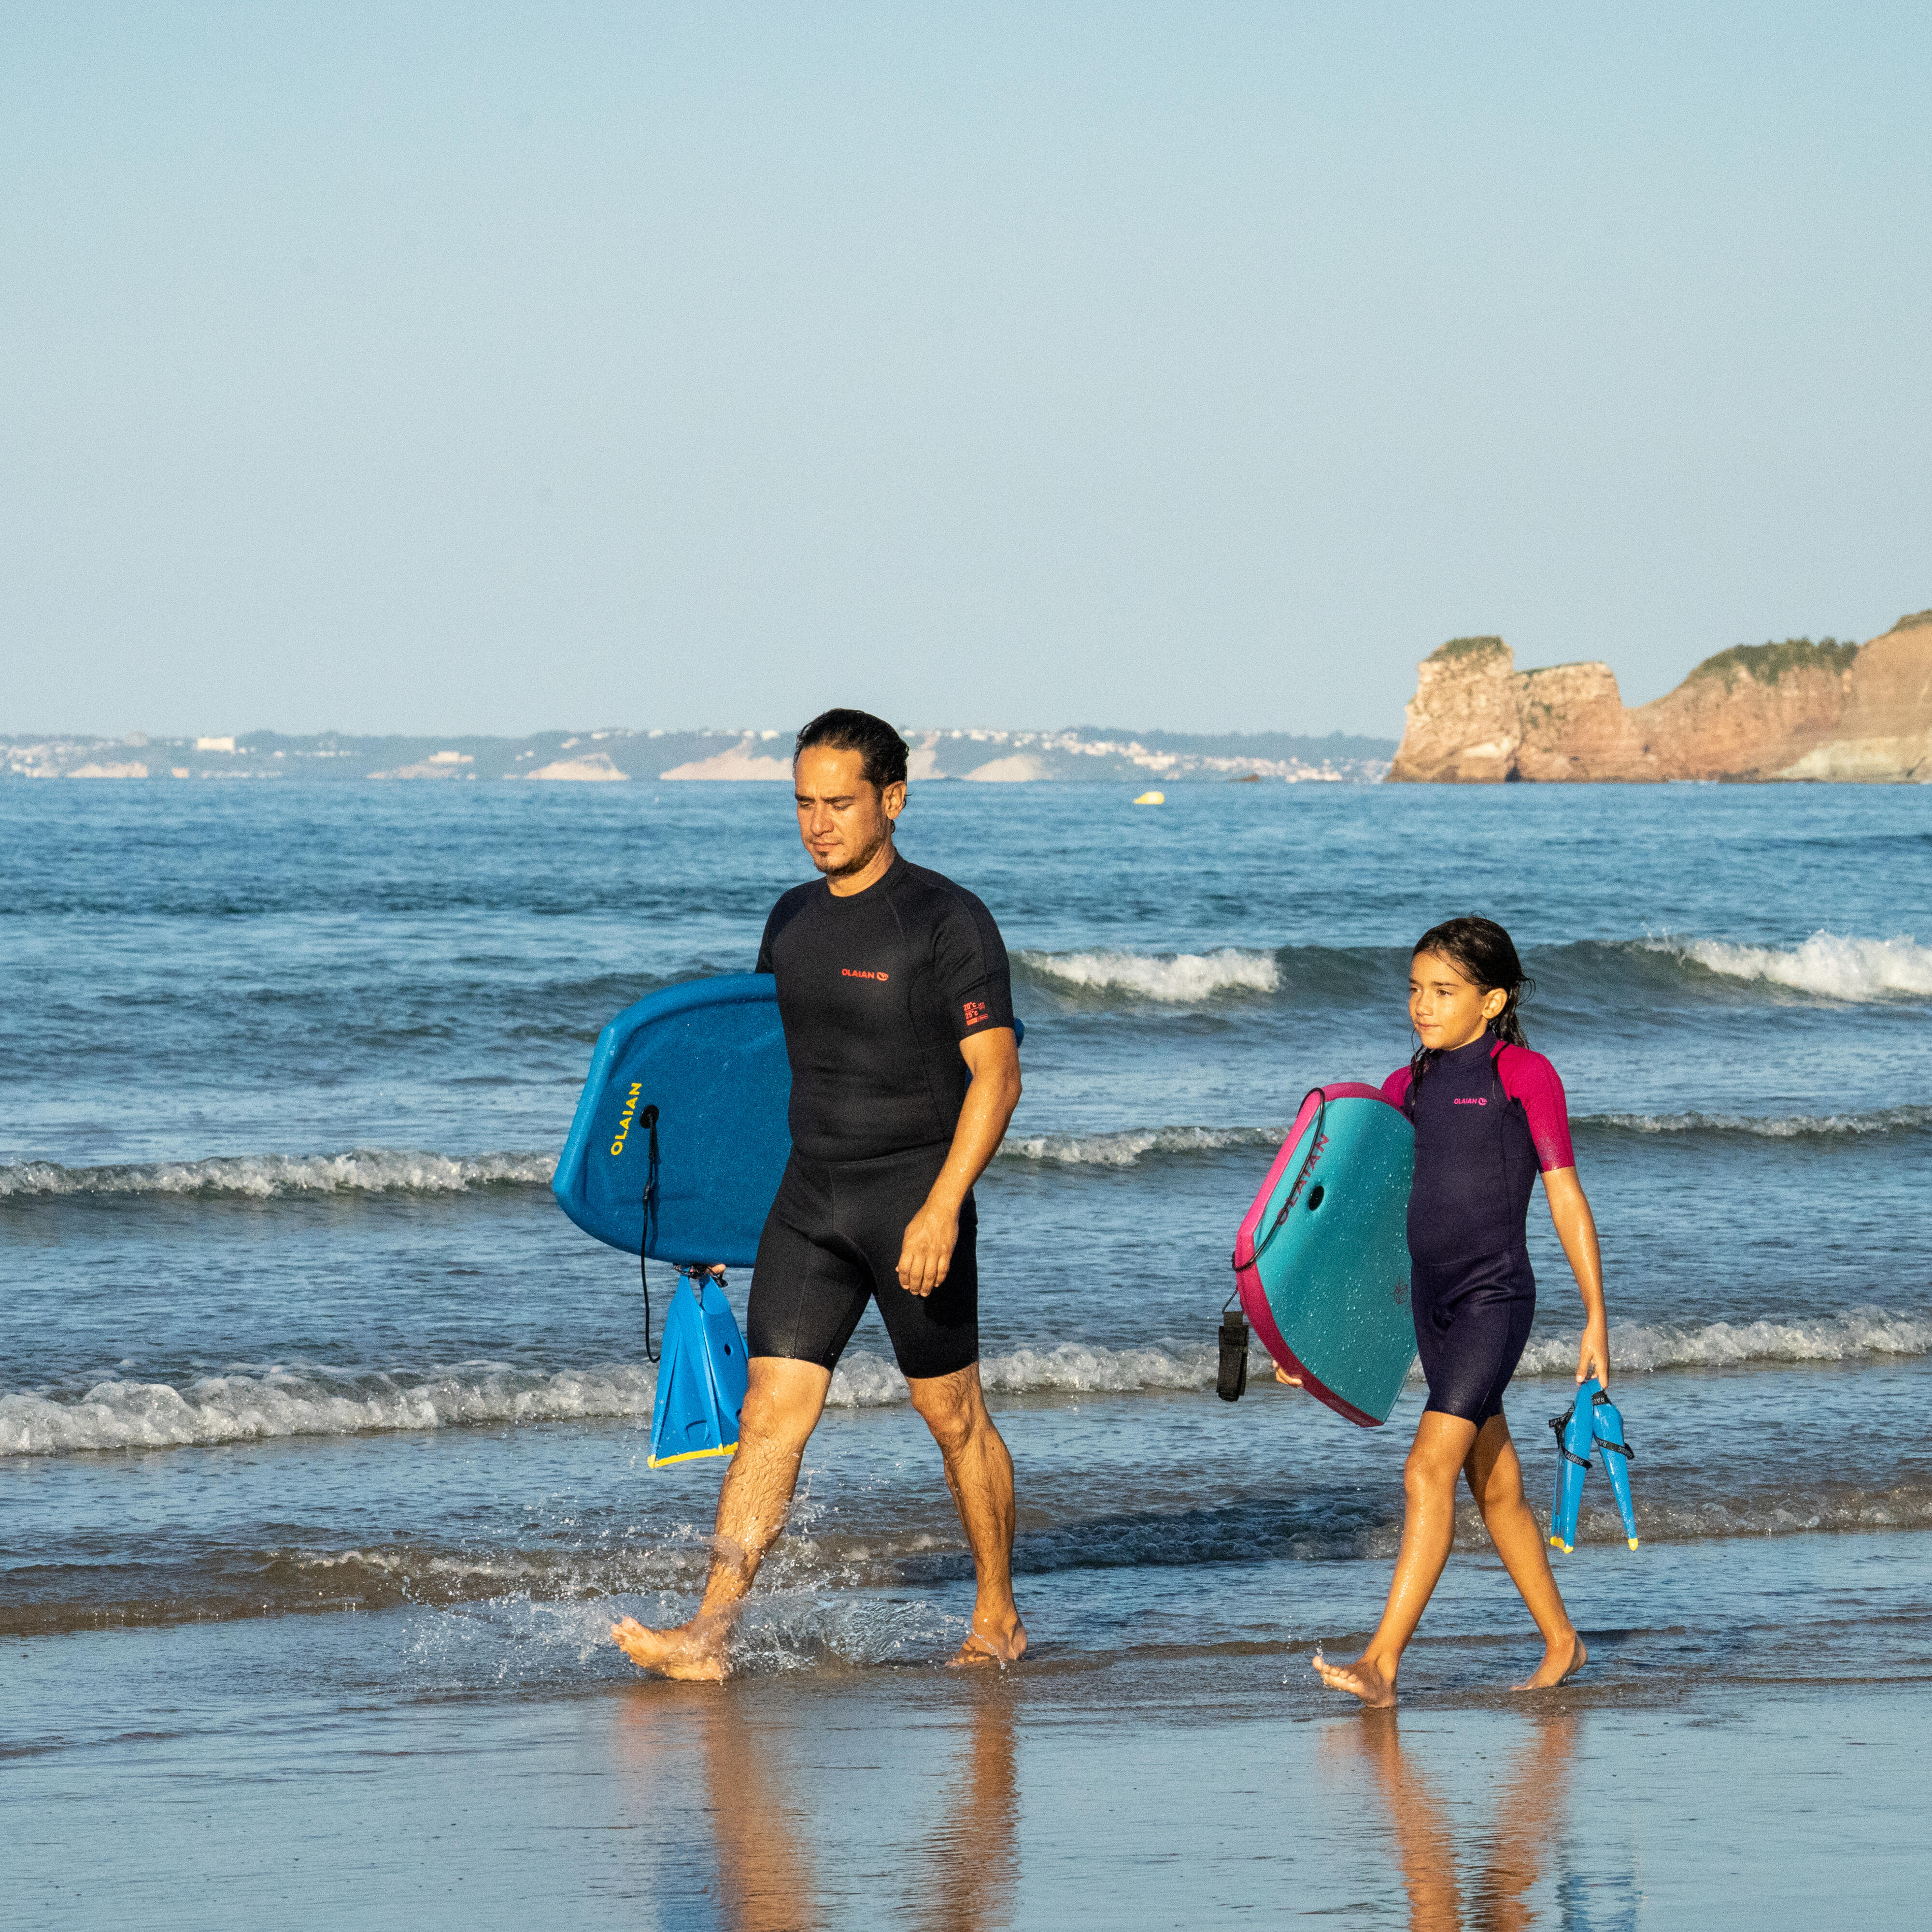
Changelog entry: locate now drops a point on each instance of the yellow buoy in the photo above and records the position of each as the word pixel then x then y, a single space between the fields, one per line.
pixel 1151 798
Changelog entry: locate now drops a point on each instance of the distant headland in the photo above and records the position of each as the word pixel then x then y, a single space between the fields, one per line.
pixel 1795 710
pixel 1093 753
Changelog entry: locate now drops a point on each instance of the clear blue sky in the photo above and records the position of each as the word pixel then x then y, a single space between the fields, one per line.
pixel 413 367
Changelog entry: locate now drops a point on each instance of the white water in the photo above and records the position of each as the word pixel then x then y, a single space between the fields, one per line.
pixel 1766 1126
pixel 1179 978
pixel 1832 966
pixel 261 1176
pixel 243 1407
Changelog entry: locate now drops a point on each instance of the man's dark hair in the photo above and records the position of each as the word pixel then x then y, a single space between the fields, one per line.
pixel 882 751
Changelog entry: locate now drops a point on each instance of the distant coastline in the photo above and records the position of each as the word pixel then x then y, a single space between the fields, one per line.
pixel 1091 753
pixel 1757 713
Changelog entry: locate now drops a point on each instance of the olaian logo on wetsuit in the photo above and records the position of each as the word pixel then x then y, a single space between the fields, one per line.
pixel 1484 1102
pixel 863 972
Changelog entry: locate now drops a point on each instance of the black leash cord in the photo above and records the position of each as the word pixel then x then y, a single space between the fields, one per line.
pixel 1307 1167
pixel 650 1120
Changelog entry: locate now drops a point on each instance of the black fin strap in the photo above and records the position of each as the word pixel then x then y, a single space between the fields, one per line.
pixel 1623 1449
pixel 1558 1423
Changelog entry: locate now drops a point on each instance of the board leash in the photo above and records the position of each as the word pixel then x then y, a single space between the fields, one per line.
pixel 650 1120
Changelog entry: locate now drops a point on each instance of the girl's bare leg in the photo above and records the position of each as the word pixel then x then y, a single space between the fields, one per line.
pixel 1496 1481
pixel 1442 1445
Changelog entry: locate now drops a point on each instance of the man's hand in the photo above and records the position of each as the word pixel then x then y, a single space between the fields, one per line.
pixel 926 1253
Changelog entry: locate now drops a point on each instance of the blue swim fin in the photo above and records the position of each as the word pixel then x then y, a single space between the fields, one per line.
pixel 700 1376
pixel 1592 1421
pixel 1574 1435
pixel 1608 1424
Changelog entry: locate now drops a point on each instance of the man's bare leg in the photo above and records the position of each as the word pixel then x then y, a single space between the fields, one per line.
pixel 1496 1481
pixel 783 1402
pixel 1436 1458
pixel 980 1473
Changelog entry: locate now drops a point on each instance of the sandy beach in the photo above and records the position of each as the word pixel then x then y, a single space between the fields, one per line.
pixel 161 1778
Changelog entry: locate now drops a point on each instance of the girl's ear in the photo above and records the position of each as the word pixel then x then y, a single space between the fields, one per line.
pixel 1494 1001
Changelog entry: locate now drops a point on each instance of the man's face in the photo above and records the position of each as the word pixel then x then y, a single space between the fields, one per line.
pixel 843 818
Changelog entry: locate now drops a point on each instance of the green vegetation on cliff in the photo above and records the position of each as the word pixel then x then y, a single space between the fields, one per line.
pixel 1467 647
pixel 1767 664
pixel 1911 618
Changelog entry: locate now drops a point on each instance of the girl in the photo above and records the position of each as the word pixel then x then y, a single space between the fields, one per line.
pixel 1487 1113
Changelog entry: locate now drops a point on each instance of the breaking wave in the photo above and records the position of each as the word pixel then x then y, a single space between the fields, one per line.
pixel 263 1404
pixel 265 1176
pixel 1172 979
pixel 1129 1148
pixel 869 1381
pixel 1828 965
pixel 1766 1126
pixel 256 1406
pixel 1637 1348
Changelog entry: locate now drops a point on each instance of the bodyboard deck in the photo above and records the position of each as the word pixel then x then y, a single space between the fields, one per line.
pixel 709 1055
pixel 1321 1258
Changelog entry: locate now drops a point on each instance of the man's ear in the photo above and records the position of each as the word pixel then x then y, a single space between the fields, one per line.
pixel 893 798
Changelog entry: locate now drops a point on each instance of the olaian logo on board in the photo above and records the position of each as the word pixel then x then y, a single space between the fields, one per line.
pixel 630 1112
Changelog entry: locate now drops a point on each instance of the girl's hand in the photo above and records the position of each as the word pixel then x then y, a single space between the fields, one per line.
pixel 1281 1374
pixel 1593 1354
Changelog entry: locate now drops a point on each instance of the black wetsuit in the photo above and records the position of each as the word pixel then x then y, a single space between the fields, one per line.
pixel 876 991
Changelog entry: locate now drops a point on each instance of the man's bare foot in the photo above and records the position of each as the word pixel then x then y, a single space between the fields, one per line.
pixel 1557 1664
pixel 990 1647
pixel 696 1656
pixel 1361 1679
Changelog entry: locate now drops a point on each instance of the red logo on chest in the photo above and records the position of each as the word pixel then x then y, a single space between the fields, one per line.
pixel 861 973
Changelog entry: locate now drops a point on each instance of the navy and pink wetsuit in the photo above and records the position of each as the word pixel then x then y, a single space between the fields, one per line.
pixel 1487 1117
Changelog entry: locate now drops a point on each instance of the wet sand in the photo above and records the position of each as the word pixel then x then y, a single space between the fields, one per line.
pixel 151 1779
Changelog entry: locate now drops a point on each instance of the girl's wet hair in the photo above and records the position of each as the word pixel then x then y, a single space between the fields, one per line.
pixel 1485 955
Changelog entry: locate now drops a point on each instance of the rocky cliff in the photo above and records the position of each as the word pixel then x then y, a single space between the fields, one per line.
pixel 1794 710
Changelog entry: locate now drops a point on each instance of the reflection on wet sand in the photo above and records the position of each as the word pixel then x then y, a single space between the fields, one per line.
pixel 968 1876
pixel 1519 1819
pixel 760 1845
pixel 949 1835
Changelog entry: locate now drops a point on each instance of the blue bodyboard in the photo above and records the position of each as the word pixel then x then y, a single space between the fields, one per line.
pixel 709 1054
pixel 701 1378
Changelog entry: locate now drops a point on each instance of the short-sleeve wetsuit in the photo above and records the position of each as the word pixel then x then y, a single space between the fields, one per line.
pixel 1487 1117
pixel 876 989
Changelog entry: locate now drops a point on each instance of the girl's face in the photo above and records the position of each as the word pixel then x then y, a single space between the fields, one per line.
pixel 1446 1009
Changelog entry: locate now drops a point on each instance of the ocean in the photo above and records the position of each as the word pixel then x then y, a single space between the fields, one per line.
pixel 311 1400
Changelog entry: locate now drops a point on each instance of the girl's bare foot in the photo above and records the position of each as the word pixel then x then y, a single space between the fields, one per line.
pixel 686 1653
pixel 1364 1678
pixel 1559 1661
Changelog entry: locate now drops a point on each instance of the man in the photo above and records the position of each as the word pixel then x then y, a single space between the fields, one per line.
pixel 897 1002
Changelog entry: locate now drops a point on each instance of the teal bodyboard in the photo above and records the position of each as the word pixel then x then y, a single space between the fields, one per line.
pixel 1321 1258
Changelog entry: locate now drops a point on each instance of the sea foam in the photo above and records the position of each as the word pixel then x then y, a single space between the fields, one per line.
pixel 1829 964
pixel 263 1176
pixel 1172 979
pixel 1129 1148
pixel 1766 1126
pixel 263 1404
pixel 116 1415
pixel 1636 1347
